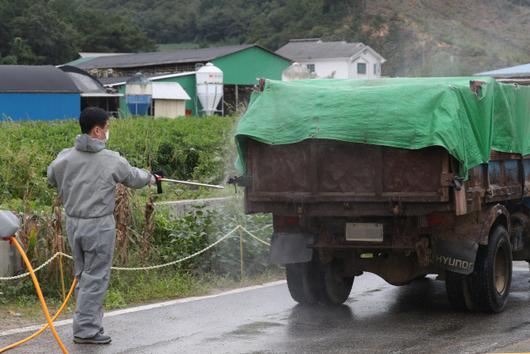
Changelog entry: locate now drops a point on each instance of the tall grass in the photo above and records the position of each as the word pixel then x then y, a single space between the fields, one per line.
pixel 187 148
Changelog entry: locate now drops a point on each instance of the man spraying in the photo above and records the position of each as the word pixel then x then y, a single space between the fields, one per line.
pixel 86 177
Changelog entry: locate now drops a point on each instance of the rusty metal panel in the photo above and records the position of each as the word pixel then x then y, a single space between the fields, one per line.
pixel 413 172
pixel 476 187
pixel 504 180
pixel 280 168
pixel 477 178
pixel 511 173
pixel 346 209
pixel 494 191
pixel 513 178
pixel 344 169
pixel 325 177
pixel 495 173
pixel 526 175
pixel 326 170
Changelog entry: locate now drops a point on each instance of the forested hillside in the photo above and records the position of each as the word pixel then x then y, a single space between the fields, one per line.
pixel 417 37
pixel 54 31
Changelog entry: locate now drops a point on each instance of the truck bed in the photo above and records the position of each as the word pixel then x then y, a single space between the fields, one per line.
pixel 327 177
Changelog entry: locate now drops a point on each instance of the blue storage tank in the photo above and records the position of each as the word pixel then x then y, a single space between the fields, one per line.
pixel 139 95
pixel 138 104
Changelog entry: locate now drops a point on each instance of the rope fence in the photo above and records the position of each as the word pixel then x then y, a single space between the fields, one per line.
pixel 158 266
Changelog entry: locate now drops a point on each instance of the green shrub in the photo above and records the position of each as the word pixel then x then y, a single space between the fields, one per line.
pixel 178 238
pixel 181 237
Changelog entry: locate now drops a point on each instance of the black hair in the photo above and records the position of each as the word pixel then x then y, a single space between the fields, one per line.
pixel 91 117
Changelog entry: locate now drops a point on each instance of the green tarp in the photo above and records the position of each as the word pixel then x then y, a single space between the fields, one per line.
pixel 410 113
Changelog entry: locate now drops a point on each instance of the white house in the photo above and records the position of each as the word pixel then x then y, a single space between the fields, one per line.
pixel 339 60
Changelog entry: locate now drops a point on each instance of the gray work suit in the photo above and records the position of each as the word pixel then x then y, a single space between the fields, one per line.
pixel 86 177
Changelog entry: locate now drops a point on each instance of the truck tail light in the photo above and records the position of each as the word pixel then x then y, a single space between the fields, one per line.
pixel 436 219
pixel 282 222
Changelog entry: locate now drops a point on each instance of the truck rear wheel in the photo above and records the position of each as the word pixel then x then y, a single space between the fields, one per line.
pixel 303 281
pixel 337 287
pixel 492 277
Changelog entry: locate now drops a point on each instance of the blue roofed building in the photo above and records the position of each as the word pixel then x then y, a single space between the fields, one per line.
pixel 37 93
pixel 33 92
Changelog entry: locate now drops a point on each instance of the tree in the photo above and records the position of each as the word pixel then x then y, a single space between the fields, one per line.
pixel 22 52
pixel 50 38
pixel 54 31
pixel 104 32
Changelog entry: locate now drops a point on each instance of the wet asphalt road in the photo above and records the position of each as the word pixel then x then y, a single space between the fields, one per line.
pixel 377 318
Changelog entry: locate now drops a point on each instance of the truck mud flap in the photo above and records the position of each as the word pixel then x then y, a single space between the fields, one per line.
pixel 289 248
pixel 455 256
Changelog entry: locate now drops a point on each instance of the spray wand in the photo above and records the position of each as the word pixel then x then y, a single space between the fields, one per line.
pixel 160 178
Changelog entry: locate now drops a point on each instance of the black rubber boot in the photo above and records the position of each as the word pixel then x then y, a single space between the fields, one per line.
pixel 97 339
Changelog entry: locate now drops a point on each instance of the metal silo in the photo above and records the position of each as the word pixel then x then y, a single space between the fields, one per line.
pixel 209 87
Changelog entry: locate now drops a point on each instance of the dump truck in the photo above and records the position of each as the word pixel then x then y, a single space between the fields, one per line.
pixel 397 177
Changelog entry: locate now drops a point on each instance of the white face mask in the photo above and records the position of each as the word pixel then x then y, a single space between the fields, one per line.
pixel 107 135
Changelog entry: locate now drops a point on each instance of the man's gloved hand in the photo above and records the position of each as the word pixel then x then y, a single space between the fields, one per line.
pixel 156 176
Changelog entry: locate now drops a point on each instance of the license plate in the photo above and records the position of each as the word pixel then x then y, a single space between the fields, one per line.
pixel 364 232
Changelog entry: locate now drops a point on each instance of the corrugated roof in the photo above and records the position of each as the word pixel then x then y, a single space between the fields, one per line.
pixel 160 58
pixel 79 61
pixel 121 80
pixel 298 49
pixel 169 91
pixel 512 71
pixel 85 82
pixel 34 78
pixel 99 54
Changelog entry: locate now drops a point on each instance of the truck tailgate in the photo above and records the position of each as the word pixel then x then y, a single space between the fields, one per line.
pixel 328 170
